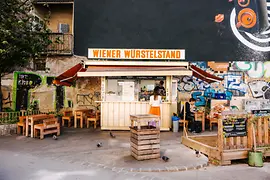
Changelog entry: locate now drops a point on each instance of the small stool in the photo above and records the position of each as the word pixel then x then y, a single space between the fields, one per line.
pixel 21 125
pixel 67 117
pixel 95 119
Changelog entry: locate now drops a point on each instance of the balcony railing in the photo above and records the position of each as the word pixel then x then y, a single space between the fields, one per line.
pixel 62 44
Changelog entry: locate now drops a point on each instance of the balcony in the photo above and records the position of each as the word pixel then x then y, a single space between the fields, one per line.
pixel 62 44
pixel 53 1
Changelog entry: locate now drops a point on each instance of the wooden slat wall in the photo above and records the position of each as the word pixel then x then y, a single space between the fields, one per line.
pixel 115 115
pixel 262 131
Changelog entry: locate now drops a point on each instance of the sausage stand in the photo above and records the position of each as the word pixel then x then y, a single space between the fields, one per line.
pixel 127 85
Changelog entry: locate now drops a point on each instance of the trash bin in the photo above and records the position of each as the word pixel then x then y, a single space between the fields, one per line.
pixel 175 121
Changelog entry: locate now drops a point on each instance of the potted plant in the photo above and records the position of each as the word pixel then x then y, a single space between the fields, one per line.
pixel 59 115
pixel 255 157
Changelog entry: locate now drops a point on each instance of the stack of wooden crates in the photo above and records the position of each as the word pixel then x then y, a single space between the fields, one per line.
pixel 144 140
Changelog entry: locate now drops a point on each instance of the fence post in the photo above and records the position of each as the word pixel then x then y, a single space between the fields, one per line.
pixel 249 132
pixel 220 139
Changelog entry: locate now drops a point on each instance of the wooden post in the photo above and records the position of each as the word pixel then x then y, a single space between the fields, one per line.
pixel 259 130
pixel 249 133
pixel 184 124
pixel 266 133
pixel 169 88
pixel 220 139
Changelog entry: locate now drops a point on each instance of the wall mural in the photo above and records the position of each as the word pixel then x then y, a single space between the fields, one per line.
pixel 258 74
pixel 88 99
pixel 23 82
pixel 257 83
pixel 7 99
pixel 259 89
pixel 224 30
pixel 32 91
pixel 257 69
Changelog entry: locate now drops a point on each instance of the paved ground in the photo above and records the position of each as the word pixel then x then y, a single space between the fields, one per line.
pixel 17 166
pixel 232 172
pixel 75 157
pixel 79 147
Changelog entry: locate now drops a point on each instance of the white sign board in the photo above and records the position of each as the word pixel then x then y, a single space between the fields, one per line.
pixel 176 54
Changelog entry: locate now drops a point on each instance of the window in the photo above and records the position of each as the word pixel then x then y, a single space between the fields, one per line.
pixel 40 64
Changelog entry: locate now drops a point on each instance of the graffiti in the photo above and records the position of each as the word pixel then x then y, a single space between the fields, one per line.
pixel 259 89
pixel 88 99
pixel 25 82
pixel 7 100
pixel 235 82
pixel 210 93
pixel 254 69
pixel 189 84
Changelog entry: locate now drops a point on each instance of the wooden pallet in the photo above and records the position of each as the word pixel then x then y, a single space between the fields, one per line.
pixel 145 143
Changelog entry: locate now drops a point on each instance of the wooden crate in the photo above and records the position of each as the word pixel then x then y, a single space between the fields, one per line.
pixel 145 143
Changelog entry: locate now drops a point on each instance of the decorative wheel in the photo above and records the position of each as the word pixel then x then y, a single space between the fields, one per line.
pixel 247 18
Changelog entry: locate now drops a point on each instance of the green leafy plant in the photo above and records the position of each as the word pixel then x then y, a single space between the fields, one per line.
pixel 22 39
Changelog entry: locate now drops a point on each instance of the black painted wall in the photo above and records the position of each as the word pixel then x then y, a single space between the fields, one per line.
pixel 180 24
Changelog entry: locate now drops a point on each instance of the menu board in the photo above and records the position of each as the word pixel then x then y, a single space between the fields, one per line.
pixel 128 91
pixel 235 127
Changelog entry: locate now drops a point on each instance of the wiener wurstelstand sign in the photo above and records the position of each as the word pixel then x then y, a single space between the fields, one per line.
pixel 176 54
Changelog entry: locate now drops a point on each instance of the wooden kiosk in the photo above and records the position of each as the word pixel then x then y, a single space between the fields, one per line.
pixel 144 139
pixel 232 143
pixel 121 86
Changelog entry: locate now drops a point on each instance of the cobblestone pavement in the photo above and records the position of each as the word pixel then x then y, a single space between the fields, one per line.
pixel 232 172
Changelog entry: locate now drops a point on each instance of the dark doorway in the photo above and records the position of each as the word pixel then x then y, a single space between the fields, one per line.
pixel 59 97
pixel 22 99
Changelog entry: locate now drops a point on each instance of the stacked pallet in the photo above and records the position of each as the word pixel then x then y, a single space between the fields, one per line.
pixel 145 142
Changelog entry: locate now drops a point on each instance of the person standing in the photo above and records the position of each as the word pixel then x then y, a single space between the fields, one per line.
pixel 160 89
pixel 155 102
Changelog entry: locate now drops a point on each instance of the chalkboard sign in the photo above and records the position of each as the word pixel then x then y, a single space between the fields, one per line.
pixel 235 127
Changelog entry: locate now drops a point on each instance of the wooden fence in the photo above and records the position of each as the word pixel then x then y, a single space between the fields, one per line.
pixel 13 117
pixel 225 149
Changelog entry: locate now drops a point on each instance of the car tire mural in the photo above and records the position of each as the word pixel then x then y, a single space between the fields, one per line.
pixel 249 22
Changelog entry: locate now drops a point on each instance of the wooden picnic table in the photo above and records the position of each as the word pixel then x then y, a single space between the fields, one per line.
pixel 34 119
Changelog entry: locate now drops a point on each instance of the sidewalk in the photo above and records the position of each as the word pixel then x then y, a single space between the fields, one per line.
pixel 79 146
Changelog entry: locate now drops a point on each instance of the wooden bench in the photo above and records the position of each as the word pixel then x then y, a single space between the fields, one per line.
pixel 21 125
pixel 95 119
pixel 68 116
pixel 49 126
pixel 35 119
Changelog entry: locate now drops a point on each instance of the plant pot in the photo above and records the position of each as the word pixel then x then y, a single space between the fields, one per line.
pixel 255 159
